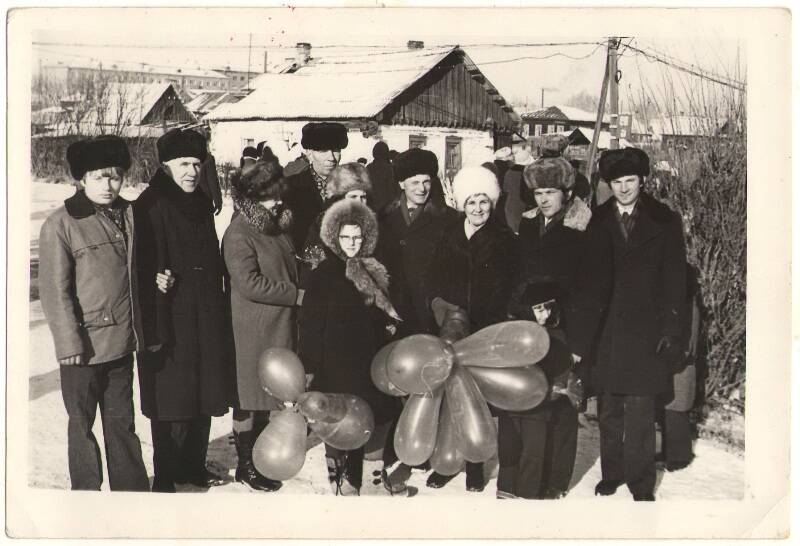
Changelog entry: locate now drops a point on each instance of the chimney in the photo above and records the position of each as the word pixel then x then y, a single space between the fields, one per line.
pixel 416 44
pixel 303 54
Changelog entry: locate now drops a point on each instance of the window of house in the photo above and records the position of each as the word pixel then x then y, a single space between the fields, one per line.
pixel 537 129
pixel 559 128
pixel 248 142
pixel 551 128
pixel 452 154
pixel 417 141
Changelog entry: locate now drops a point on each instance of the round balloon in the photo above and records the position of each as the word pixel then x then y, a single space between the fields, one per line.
pixel 280 450
pixel 474 426
pixel 510 344
pixel 419 364
pixel 379 373
pixel 415 435
pixel 353 430
pixel 281 374
pixel 512 389
pixel 446 460
pixel 317 406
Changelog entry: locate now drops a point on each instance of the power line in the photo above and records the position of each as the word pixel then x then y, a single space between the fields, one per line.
pixel 700 73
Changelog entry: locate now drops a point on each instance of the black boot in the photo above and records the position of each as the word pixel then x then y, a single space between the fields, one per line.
pixel 245 469
pixel 607 487
pixel 475 481
pixel 437 481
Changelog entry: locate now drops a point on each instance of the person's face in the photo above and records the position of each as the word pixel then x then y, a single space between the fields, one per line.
pixel 357 195
pixel 417 188
pixel 626 189
pixel 350 239
pixel 549 200
pixel 184 171
pixel 542 312
pixel 478 208
pixel 102 186
pixel 324 161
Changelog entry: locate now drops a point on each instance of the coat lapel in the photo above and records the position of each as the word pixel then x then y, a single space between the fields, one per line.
pixel 644 229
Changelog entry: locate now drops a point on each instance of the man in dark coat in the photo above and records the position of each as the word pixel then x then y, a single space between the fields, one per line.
pixel 323 143
pixel 384 187
pixel 640 338
pixel 188 380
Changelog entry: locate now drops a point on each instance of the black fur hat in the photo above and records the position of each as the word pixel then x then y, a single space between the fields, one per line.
pixel 413 162
pixel 181 143
pixel 97 153
pixel 263 180
pixel 324 136
pixel 623 162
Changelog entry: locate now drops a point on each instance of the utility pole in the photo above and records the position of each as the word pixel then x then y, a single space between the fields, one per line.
pixel 598 124
pixel 613 46
pixel 265 61
pixel 542 97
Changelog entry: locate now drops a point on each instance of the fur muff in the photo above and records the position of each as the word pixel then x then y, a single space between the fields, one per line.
pixel 472 181
pixel 262 219
pixel 349 212
pixel 549 172
pixel 576 217
pixel 348 177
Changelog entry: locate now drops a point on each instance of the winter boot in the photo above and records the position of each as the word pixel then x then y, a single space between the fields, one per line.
pixel 245 469
pixel 475 481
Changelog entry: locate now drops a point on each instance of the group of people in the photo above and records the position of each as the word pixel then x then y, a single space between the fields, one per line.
pixel 334 261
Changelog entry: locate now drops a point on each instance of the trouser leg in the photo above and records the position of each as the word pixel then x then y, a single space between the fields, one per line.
pixel 563 439
pixel 195 446
pixel 509 448
pixel 676 437
pixel 81 393
pixel 166 460
pixel 531 469
pixel 126 471
pixel 640 444
pixel 611 416
pixel 389 454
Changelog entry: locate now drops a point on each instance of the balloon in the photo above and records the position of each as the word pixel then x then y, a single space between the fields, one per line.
pixel 455 325
pixel 281 374
pixel 379 373
pixel 419 364
pixel 280 451
pixel 415 436
pixel 317 406
pixel 512 389
pixel 446 460
pixel 475 428
pixel 510 344
pixel 353 430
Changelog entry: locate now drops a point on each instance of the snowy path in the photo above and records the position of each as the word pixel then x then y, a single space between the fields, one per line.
pixel 715 473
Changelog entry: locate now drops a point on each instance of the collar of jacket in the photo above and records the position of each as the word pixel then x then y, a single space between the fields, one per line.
pixel 195 205
pixel 576 216
pixel 262 220
pixel 648 205
pixel 79 206
pixel 428 208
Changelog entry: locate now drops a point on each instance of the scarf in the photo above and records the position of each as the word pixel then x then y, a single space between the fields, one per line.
pixel 195 206
pixel 371 279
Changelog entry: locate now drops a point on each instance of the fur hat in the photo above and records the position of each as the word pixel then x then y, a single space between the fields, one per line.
pixel 249 151
pixel 523 157
pixel 261 181
pixel 553 145
pixel 97 153
pixel 347 177
pixel 549 172
pixel 623 162
pixel 179 143
pixel 540 291
pixel 347 212
pixel 474 180
pixel 260 148
pixel 415 161
pixel 380 150
pixel 324 136
pixel 503 154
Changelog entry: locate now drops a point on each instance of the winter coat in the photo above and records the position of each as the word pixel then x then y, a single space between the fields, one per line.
pixel 191 375
pixel 684 380
pixel 513 206
pixel 384 188
pixel 87 284
pixel 262 275
pixel 407 251
pixel 475 274
pixel 304 199
pixel 209 182
pixel 339 336
pixel 649 290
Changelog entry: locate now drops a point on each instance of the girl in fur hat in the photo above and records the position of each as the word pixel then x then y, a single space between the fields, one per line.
pixel 345 319
pixel 472 270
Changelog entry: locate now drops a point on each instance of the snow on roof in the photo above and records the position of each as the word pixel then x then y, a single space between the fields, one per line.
pixel 562 112
pixel 355 86
pixel 126 66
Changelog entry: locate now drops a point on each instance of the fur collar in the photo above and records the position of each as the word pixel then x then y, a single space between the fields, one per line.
pixel 371 279
pixel 261 219
pixel 79 206
pixel 576 217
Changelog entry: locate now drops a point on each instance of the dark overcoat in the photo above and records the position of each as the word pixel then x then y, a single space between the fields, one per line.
pixel 191 375
pixel 407 251
pixel 384 188
pixel 304 199
pixel 649 287
pixel 339 336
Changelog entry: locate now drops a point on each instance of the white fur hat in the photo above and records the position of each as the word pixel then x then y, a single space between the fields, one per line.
pixel 473 180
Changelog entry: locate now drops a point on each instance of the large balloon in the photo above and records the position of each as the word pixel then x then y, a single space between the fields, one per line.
pixel 318 406
pixel 512 389
pixel 281 374
pixel 353 430
pixel 280 451
pixel 419 364
pixel 379 373
pixel 475 428
pixel 446 460
pixel 415 436
pixel 505 345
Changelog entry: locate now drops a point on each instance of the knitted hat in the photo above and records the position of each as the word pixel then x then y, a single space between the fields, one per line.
pixel 549 172
pixel 624 162
pixel 413 162
pixel 97 153
pixel 347 177
pixel 540 291
pixel 177 143
pixel 523 157
pixel 324 136
pixel 475 180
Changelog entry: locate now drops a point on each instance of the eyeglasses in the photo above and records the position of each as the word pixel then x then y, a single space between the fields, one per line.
pixel 353 239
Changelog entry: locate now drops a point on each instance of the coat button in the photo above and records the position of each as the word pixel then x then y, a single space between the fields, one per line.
pixel 402 242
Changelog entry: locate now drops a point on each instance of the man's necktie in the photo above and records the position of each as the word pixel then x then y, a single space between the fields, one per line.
pixel 626 224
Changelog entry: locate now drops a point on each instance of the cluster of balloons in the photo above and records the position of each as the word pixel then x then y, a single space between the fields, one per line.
pixel 446 418
pixel 343 421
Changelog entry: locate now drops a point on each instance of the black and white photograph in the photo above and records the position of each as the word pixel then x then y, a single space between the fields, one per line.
pixel 487 272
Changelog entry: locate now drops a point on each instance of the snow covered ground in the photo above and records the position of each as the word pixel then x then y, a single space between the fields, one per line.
pixel 716 473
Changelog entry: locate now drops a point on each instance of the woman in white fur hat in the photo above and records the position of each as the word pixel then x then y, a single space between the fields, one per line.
pixel 472 270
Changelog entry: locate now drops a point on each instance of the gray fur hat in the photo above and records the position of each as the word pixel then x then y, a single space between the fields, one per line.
pixel 349 212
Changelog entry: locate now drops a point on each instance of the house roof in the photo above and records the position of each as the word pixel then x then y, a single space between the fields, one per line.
pixel 206 101
pixel 125 66
pixel 344 87
pixel 564 113
pixel 584 136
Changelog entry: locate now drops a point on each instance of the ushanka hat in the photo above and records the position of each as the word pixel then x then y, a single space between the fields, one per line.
pixel 623 162
pixel 549 172
pixel 474 180
pixel 261 181
pixel 324 136
pixel 553 145
pixel 177 143
pixel 97 153
pixel 413 162
pixel 348 177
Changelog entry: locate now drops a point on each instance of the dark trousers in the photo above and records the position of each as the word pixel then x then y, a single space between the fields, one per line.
pixel 676 437
pixel 179 449
pixel 537 456
pixel 108 385
pixel 628 440
pixel 350 462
